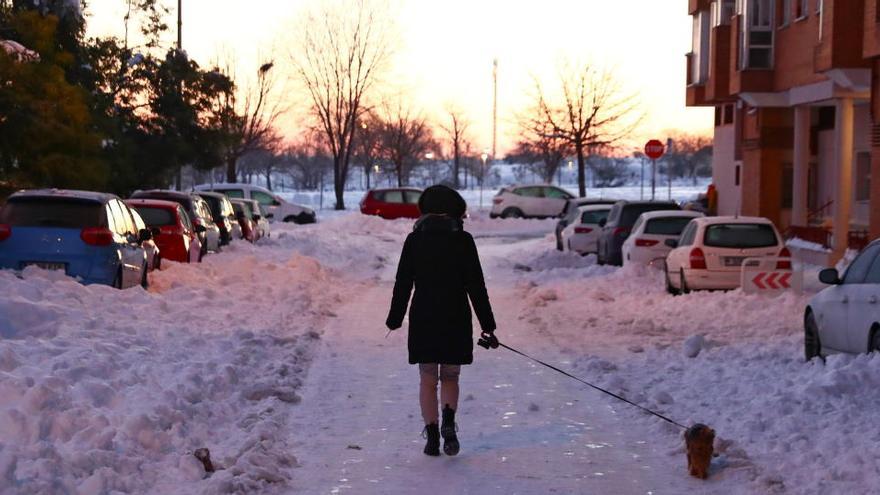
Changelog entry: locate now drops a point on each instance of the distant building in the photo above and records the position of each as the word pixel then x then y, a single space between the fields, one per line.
pixel 796 90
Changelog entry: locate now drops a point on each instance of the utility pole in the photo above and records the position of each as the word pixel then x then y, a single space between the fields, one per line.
pixel 494 107
pixel 179 25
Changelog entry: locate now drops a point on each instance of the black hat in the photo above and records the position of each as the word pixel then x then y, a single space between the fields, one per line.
pixel 442 200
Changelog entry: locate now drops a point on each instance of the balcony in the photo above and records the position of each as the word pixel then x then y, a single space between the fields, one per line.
pixel 841 42
pixel 696 88
pixel 745 80
pixel 718 84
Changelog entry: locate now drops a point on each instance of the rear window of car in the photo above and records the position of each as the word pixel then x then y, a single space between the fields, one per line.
pixel 740 235
pixel 52 212
pixel 232 193
pixel 155 217
pixel 392 197
pixel 214 205
pixel 412 197
pixel 631 213
pixel 594 216
pixel 667 225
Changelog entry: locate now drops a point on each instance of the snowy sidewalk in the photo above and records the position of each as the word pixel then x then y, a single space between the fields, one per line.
pixel 523 429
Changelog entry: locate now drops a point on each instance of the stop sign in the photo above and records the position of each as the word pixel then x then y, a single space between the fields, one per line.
pixel 654 149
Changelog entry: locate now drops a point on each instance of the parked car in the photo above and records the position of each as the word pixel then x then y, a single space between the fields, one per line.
pixel 581 235
pixel 539 201
pixel 88 235
pixel 276 207
pixel 198 211
pixel 401 202
pixel 244 217
pixel 261 225
pixel 178 238
pixel 647 242
pixel 846 316
pixel 616 229
pixel 151 249
pixel 223 216
pixel 570 213
pixel 711 250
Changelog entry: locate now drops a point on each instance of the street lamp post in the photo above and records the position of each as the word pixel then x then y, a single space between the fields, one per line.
pixel 484 157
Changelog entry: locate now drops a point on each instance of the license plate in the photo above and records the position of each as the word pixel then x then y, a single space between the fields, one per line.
pixel 47 265
pixel 733 260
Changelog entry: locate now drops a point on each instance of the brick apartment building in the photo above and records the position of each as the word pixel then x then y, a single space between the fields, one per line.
pixel 796 90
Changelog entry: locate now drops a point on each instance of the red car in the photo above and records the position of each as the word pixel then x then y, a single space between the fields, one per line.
pixel 392 203
pixel 177 236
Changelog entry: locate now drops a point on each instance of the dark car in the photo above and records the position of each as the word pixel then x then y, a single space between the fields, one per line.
pixel 616 228
pixel 570 214
pixel 197 210
pixel 392 203
pixel 221 210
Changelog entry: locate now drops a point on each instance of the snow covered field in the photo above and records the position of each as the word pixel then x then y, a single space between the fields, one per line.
pixel 275 358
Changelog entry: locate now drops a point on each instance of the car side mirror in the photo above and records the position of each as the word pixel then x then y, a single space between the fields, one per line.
pixel 199 229
pixel 257 218
pixel 144 235
pixel 673 243
pixel 603 222
pixel 829 276
pixel 156 231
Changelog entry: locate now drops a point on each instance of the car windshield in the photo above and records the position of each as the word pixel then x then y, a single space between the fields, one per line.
pixel 69 213
pixel 667 225
pixel 631 213
pixel 594 216
pixel 740 235
pixel 215 206
pixel 155 217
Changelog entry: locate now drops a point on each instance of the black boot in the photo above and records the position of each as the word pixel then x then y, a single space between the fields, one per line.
pixel 432 434
pixel 450 440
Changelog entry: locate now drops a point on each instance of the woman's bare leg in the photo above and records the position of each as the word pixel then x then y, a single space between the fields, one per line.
pixel 428 393
pixel 449 386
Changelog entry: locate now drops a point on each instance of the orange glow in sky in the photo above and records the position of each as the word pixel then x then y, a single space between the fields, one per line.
pixel 447 47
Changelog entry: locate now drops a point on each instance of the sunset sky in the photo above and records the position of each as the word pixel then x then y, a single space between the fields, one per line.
pixel 447 47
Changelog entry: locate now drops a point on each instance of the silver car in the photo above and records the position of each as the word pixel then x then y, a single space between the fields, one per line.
pixel 533 201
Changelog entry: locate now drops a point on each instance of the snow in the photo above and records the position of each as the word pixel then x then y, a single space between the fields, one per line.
pixel 19 52
pixel 274 357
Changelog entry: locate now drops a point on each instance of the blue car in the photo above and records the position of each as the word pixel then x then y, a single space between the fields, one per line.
pixel 90 236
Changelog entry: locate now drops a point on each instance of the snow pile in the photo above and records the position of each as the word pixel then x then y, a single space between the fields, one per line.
pixel 111 391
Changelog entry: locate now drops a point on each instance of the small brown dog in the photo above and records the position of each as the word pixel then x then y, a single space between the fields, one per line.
pixel 699 440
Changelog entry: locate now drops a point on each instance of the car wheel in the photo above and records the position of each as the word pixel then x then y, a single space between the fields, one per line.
pixel 145 283
pixel 117 282
pixel 512 213
pixel 669 287
pixel 874 342
pixel 812 344
pixel 682 284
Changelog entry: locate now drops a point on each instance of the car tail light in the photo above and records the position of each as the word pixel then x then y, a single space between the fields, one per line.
pixel 784 264
pixel 582 230
pixel 646 242
pixel 497 200
pixel 97 236
pixel 698 259
pixel 5 231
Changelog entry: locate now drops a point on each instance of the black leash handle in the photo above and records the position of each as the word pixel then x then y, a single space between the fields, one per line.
pixel 600 389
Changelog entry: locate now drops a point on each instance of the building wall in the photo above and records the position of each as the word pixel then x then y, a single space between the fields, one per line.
pixel 794 54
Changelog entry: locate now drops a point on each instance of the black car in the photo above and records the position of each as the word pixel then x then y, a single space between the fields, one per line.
pixel 221 210
pixel 570 213
pixel 616 228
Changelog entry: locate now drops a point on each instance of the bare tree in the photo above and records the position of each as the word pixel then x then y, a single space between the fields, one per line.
pixel 592 111
pixel 405 137
pixel 456 130
pixel 248 125
pixel 689 156
pixel 307 161
pixel 541 148
pixel 263 161
pixel 343 46
pixel 368 144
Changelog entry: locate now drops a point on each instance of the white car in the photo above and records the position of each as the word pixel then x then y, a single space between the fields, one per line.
pixel 846 316
pixel 539 201
pixel 711 250
pixel 646 244
pixel 582 234
pixel 276 208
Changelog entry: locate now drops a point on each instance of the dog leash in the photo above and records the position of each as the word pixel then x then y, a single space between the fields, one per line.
pixel 600 389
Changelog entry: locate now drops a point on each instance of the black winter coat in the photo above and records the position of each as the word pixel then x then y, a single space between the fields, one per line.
pixel 441 260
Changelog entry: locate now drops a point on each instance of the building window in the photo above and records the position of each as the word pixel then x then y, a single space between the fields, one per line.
pixel 820 11
pixel 728 114
pixel 722 11
pixel 736 175
pixel 756 37
pixel 718 116
pixel 863 176
pixel 785 13
pixel 801 9
pixel 700 49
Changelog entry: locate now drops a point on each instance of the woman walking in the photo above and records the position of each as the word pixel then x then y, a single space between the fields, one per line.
pixel 440 259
